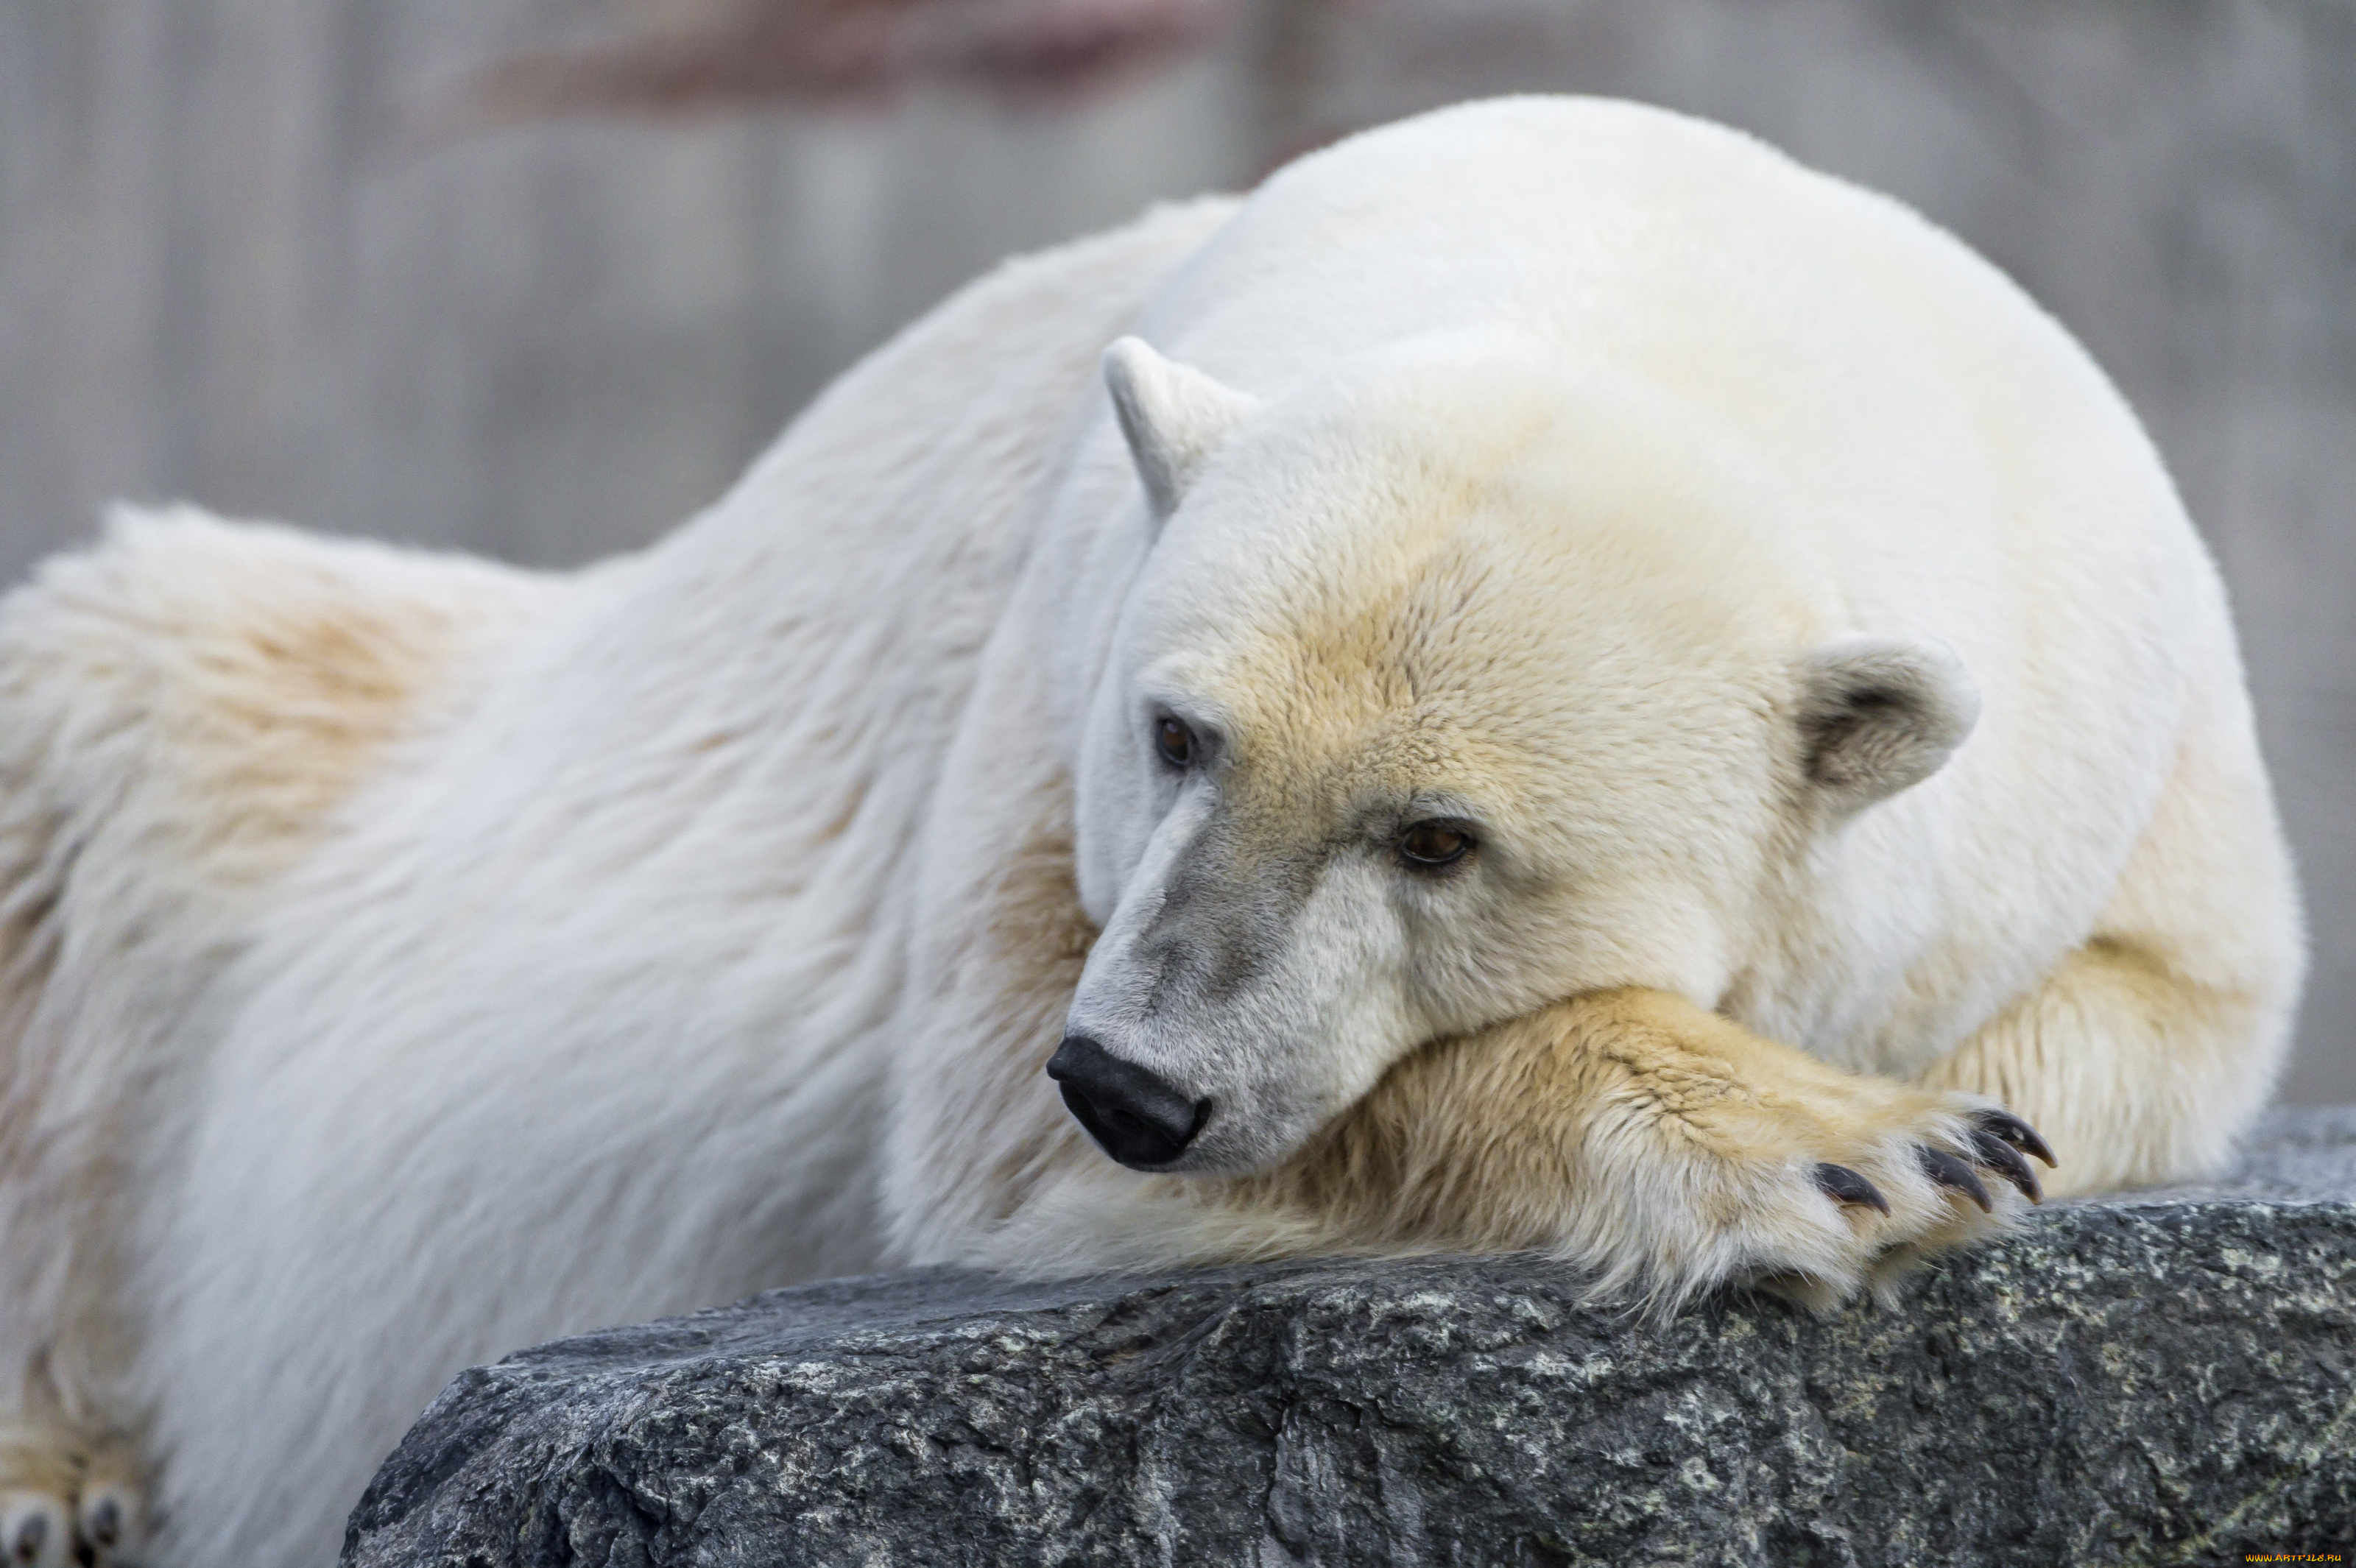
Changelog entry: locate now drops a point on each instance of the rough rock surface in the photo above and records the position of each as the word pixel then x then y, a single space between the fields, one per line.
pixel 2170 1378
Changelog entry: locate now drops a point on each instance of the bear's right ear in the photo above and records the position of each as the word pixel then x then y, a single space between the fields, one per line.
pixel 1878 716
pixel 1174 416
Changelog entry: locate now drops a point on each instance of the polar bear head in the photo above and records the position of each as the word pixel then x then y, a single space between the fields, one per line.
pixel 1450 686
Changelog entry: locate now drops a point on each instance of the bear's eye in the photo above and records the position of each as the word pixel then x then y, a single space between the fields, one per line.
pixel 1174 742
pixel 1427 845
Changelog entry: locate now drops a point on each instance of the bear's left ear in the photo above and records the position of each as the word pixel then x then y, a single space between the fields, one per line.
pixel 1174 416
pixel 1877 715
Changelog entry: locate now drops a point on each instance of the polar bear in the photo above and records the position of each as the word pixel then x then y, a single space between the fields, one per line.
pixel 1552 679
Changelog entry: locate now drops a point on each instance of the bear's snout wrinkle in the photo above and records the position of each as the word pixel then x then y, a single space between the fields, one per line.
pixel 1135 1114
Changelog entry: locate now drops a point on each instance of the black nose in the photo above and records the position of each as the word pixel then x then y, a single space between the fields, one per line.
pixel 1136 1114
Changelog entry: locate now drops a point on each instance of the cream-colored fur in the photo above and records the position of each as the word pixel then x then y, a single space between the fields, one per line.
pixel 407 959
pixel 186 708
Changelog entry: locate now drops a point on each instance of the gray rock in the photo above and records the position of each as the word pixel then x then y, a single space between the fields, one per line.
pixel 2170 1378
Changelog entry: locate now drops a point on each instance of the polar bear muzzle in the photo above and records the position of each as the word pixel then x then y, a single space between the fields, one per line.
pixel 1136 1115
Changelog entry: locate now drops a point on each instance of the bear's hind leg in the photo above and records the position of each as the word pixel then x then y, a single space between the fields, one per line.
pixel 2139 1073
pixel 2147 1051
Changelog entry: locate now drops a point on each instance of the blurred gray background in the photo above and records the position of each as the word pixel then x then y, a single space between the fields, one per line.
pixel 295 259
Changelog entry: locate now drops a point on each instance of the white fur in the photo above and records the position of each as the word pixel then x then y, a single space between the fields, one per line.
pixel 674 929
pixel 1174 417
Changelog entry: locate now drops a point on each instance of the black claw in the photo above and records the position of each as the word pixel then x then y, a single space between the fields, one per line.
pixel 1948 1171
pixel 30 1534
pixel 2000 1156
pixel 104 1525
pixel 2017 1133
pixel 1846 1186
